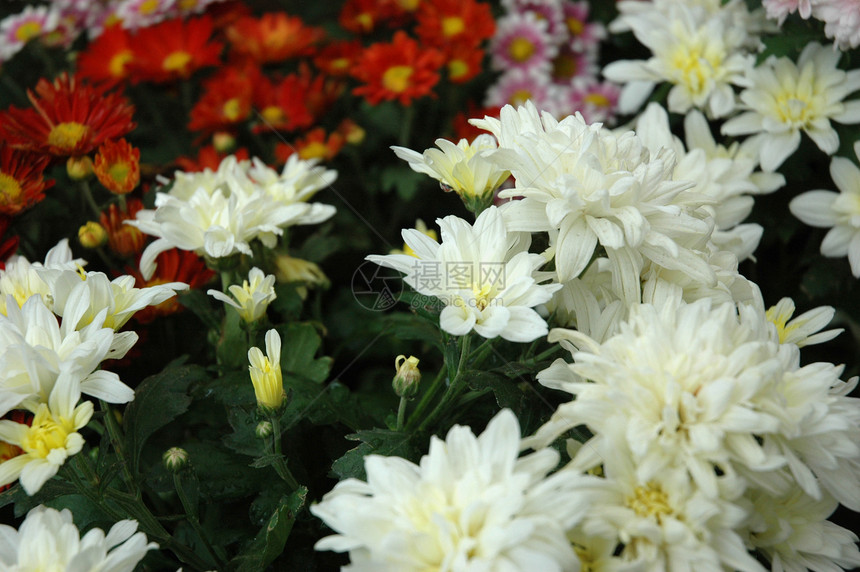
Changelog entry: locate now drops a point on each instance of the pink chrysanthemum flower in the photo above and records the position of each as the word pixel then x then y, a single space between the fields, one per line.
pixel 522 42
pixel 582 34
pixel 517 86
pixel 570 64
pixel 548 11
pixel 18 29
pixel 841 21
pixel 780 9
pixel 143 13
pixel 596 101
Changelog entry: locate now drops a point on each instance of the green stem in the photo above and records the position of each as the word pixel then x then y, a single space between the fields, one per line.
pixel 406 126
pixel 454 388
pixel 280 464
pixel 226 280
pixel 401 413
pixel 426 398
pixel 191 511
pixel 116 440
pixel 87 192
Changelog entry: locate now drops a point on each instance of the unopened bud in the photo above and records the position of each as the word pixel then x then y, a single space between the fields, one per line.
pixel 79 168
pixel 92 235
pixel 223 142
pixel 406 379
pixel 263 429
pixel 175 459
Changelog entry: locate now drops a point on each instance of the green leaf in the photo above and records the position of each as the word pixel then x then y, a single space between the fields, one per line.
pixel 403 180
pixel 377 442
pixel 201 306
pixel 266 460
pixel 269 542
pixel 507 393
pixel 288 303
pixel 299 345
pixel 158 400
pixel 232 344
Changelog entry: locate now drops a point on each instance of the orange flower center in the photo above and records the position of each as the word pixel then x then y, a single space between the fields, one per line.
pixel 187 5
pixel 396 78
pixel 519 97
pixel 117 63
pixel 177 61
pixel 453 25
pixel 457 68
pixel 313 150
pixel 340 64
pixel 28 30
pixel 521 49
pixel 148 6
pixel 597 99
pixel 232 109
pixel 67 135
pixel 10 189
pixel 575 26
pixel 365 20
pixel 273 114
pixel 408 5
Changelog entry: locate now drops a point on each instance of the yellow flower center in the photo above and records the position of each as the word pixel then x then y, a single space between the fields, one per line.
pixel 597 99
pixel 119 171
pixel 148 6
pixel 780 320
pixel 483 295
pixel 27 31
pixel 519 97
pixel 117 64
pixel 521 49
pixel 44 437
pixel 650 500
pixel 564 66
pixel 313 150
pixel 232 109
pixel 408 5
pixel 10 188
pixel 694 67
pixel 575 26
pixel 187 5
pixel 273 114
pixel 340 64
pixel 177 61
pixel 794 109
pixel 457 68
pixel 396 78
pixel 67 135
pixel 365 20
pixel 586 558
pixel 452 25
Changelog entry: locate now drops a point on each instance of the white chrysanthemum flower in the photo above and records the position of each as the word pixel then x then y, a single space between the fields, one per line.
pixel 49 540
pixel 483 274
pixel 804 330
pixel 251 298
pixel 795 535
pixel 664 521
pixel 589 186
pixel 702 54
pixel 841 21
pixel 471 504
pixel 37 353
pixel 838 211
pixel 49 440
pixel 22 279
pixel 724 175
pixel 783 98
pixel 462 168
pixel 217 214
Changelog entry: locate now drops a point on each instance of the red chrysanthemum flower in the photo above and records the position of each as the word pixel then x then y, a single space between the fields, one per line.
pixel 464 61
pixel 68 118
pixel 117 166
pixel 208 158
pixel 465 130
pixel 8 244
pixel 173 50
pixel 282 106
pixel 174 265
pixel 106 60
pixel 22 182
pixel 363 16
pixel 226 99
pixel 338 58
pixel 321 91
pixel 273 37
pixel 401 70
pixel 314 145
pixel 124 240
pixel 441 22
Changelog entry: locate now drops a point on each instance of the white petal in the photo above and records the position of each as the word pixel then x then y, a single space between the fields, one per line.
pixel 814 208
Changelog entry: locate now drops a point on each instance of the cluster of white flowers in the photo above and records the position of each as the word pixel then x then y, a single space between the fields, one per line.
pixel 58 323
pixel 219 213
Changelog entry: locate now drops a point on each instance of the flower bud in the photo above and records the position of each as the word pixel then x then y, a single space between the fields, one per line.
pixel 175 459
pixel 266 376
pixel 92 235
pixel 406 379
pixel 79 168
pixel 223 142
pixel 263 429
